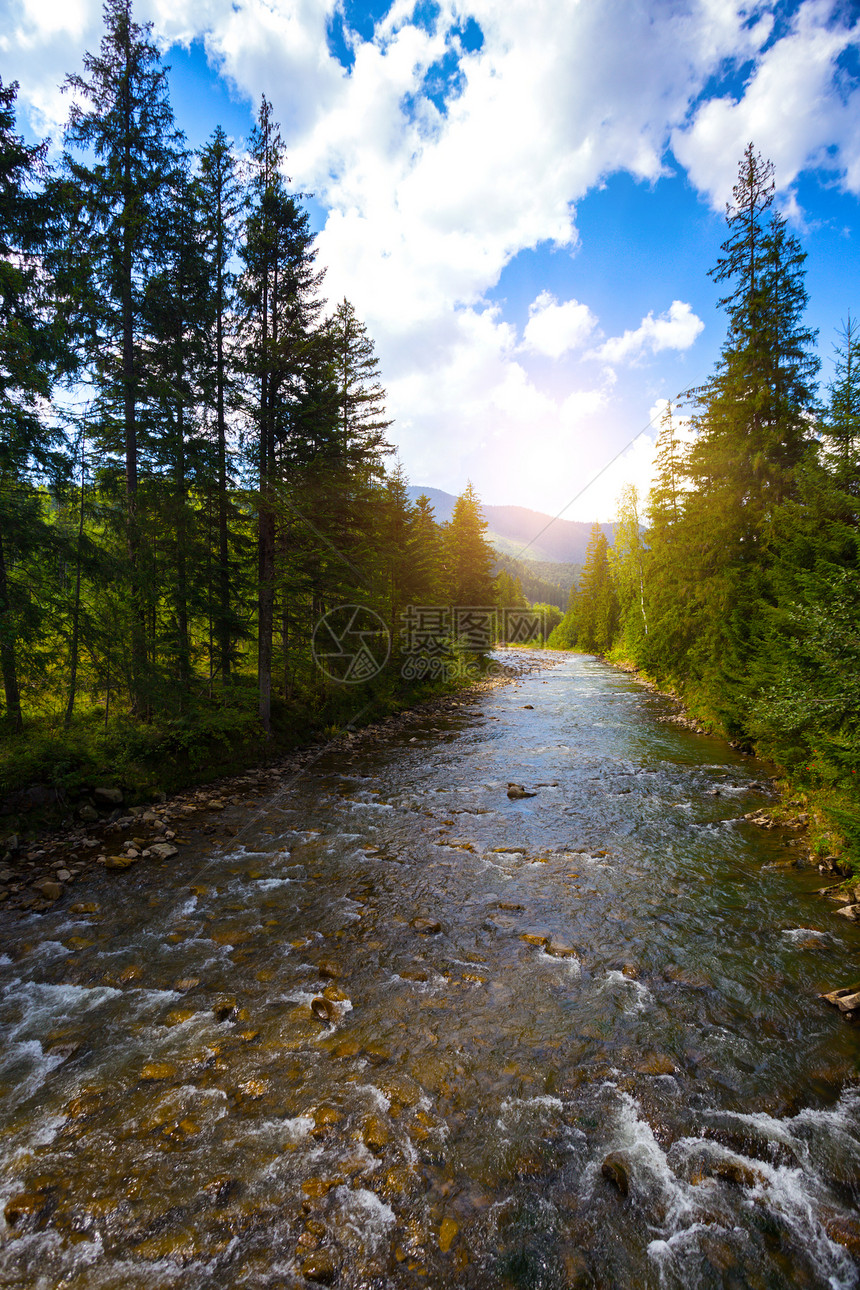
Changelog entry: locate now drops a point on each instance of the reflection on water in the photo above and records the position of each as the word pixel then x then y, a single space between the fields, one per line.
pixel 512 991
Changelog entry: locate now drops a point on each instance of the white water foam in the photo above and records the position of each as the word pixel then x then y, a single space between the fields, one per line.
pixel 363 1218
pixel 641 997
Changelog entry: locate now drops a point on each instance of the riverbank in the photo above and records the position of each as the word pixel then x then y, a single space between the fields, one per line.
pixel 806 810
pixel 39 867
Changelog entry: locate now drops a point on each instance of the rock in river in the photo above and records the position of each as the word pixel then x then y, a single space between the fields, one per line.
pixel 428 926
pixel 516 791
pixel 615 1169
pixel 847 999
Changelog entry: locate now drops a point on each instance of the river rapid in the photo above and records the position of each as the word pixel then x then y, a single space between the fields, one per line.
pixel 389 1034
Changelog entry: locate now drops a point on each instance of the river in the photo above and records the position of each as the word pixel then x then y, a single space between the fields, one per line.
pixel 388 1035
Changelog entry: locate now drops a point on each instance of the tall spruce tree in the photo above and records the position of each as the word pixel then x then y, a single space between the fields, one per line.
pixel 122 122
pixel 220 206
pixel 32 350
pixel 277 290
pixel 468 555
pixel 752 434
pixel 596 605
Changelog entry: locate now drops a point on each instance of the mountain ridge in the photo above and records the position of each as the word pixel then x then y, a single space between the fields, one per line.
pixel 522 533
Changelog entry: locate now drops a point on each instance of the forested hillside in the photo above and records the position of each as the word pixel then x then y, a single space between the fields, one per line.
pixel 518 533
pixel 738 581
pixel 193 458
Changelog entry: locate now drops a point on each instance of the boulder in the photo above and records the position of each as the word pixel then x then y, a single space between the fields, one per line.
pixel 616 1170
pixel 49 889
pixel 163 850
pixel 846 1000
pixel 119 862
pixel 559 950
pixel 320 1267
pixel 516 792
pixel 108 796
pixel 427 926
pixel 88 813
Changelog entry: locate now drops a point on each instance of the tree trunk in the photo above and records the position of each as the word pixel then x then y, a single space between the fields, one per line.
pixel 181 563
pixel 223 549
pixel 138 626
pixel 7 650
pixel 76 613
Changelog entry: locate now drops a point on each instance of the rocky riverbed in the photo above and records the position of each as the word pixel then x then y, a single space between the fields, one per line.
pixel 382 1022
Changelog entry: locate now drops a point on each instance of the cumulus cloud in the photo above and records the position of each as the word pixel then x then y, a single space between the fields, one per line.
pixel 553 329
pixel 675 329
pixel 798 106
pixel 428 198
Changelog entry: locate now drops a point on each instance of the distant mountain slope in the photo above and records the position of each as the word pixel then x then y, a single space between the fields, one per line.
pixel 513 528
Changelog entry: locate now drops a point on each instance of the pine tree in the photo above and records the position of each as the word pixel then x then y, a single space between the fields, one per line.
pixel 627 562
pixel 31 353
pixel 468 554
pixel 596 606
pixel 277 290
pixel 361 398
pixel 841 422
pixel 425 586
pixel 220 205
pixel 123 123
pixel 177 314
pixel 752 429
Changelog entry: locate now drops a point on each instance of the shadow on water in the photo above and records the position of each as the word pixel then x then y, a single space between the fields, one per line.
pixel 408 1031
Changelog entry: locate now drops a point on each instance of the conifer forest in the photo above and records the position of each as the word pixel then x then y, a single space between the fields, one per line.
pixel 195 469
pixel 193 457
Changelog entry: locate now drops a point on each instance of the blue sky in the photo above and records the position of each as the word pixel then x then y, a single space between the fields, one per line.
pixel 522 199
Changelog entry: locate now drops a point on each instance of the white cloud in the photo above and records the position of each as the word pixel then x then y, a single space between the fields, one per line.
pixel 675 329
pixel 426 207
pixel 553 329
pixel 796 107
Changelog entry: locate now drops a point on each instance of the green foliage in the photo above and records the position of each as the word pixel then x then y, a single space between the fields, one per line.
pixel 468 557
pixel 192 458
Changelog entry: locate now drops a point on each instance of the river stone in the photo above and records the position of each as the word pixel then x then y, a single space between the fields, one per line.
pixel 615 1168
pixel 330 969
pixel 577 1275
pixel 29 1209
pixel 535 938
pixel 157 1071
pixel 88 813
pixel 851 912
pixel 335 995
pixel 428 926
pixel 559 950
pixel 50 890
pixel 847 999
pixel 323 1009
pixel 320 1267
pixel 737 1173
pixel 516 792
pixel 108 796
pixel 375 1134
pixel 163 850
pixel 120 862
pixel 447 1231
